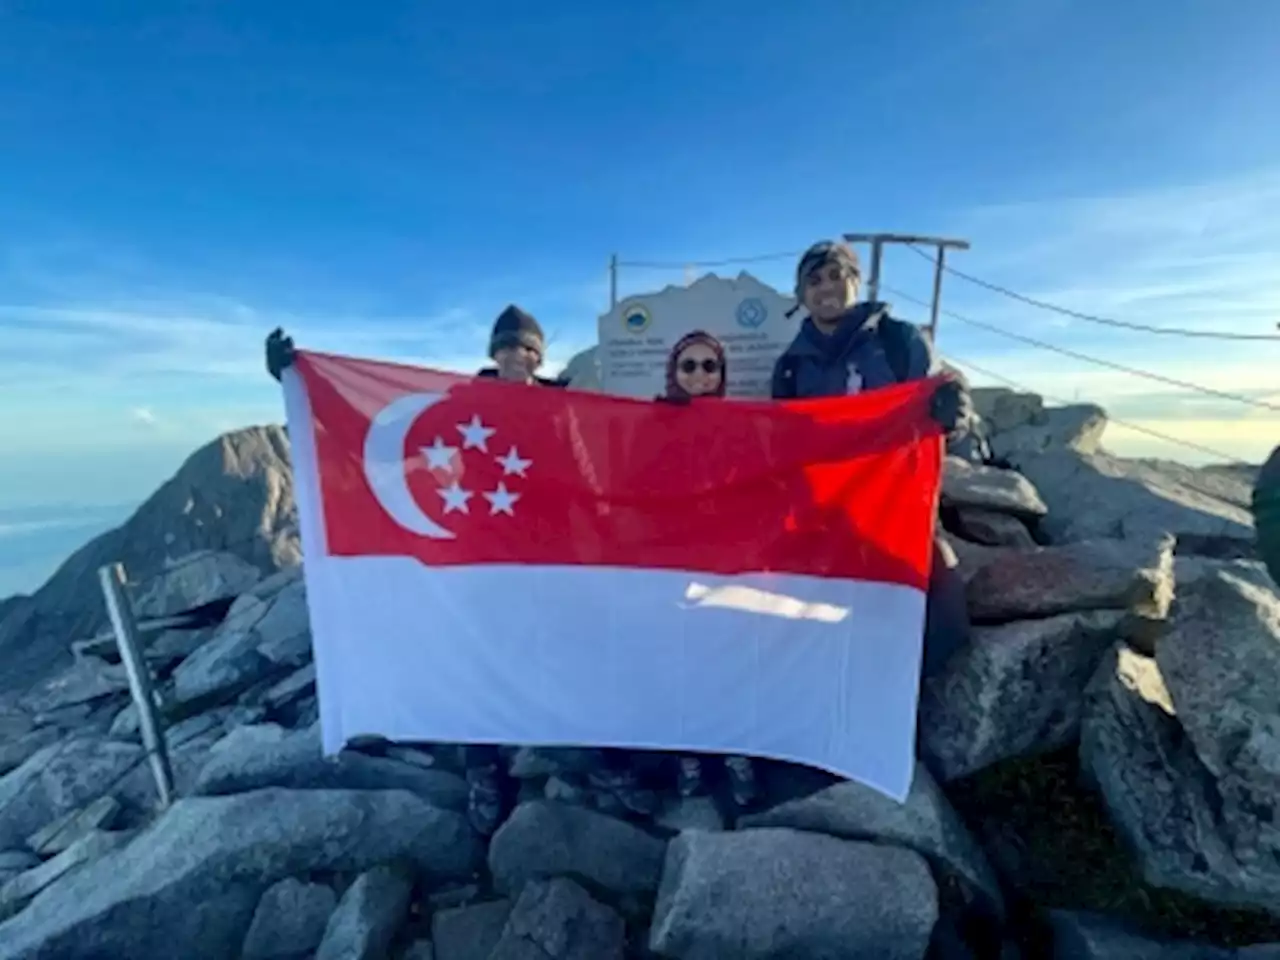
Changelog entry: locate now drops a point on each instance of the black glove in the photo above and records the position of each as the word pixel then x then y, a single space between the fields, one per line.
pixel 950 406
pixel 680 399
pixel 280 352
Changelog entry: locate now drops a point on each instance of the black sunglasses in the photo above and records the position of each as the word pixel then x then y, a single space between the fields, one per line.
pixel 708 366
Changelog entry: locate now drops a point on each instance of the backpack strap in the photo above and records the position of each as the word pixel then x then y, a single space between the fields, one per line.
pixel 895 339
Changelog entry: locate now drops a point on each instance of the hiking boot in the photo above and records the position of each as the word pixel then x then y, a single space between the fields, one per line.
pixel 742 779
pixel 689 780
pixel 484 799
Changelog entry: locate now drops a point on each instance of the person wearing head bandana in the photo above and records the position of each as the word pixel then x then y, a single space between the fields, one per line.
pixel 697 367
pixel 845 346
pixel 1266 513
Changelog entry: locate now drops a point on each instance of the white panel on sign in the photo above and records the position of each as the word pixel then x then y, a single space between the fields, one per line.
pixel 748 317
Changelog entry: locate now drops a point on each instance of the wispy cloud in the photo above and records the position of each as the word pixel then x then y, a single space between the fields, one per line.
pixel 144 416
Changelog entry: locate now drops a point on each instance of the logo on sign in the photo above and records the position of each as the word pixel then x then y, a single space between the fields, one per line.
pixel 635 318
pixel 752 312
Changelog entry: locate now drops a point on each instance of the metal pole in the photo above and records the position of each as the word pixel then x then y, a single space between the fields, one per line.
pixel 873 283
pixel 112 579
pixel 938 267
pixel 613 281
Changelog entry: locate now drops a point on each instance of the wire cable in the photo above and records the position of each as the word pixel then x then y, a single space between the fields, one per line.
pixel 1092 318
pixel 1098 361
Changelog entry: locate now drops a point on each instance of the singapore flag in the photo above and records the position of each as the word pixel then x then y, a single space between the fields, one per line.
pixel 496 563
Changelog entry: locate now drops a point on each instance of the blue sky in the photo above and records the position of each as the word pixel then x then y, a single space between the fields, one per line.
pixel 381 178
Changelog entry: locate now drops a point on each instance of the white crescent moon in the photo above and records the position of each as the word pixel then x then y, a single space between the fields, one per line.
pixel 384 465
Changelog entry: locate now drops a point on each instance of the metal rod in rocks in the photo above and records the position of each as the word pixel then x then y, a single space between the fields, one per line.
pixel 124 625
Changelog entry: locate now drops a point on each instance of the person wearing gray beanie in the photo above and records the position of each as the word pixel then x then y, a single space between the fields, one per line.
pixel 517 347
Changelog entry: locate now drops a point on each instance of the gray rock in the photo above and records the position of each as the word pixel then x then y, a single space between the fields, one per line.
pixel 690 813
pixel 14 862
pixel 59 779
pixel 566 790
pixel 785 893
pixel 1077 427
pixel 557 920
pixel 195 727
pixel 14 721
pixel 582 372
pixel 296 685
pixel 410 755
pixel 296 761
pixel 1134 575
pixel 75 718
pixel 284 629
pixel 1084 936
pixel 275 582
pixel 290 919
pixel 166 650
pixel 227 664
pixel 925 822
pixel 139 792
pixel 18 749
pixel 69 828
pixel 369 915
pixel 242 716
pixel 189 886
pixel 102 645
pixel 126 725
pixel 1161 796
pixel 528 763
pixel 19 891
pixel 1002 409
pixel 469 933
pixel 968 557
pixel 1014 690
pixel 458 895
pixel 545 839
pixel 196 579
pixel 1220 660
pixel 1191 570
pixel 989 488
pixel 419 950
pixel 993 529
pixel 86 680
pixel 1097 496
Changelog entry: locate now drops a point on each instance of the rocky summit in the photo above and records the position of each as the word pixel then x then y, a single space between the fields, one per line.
pixel 1099 771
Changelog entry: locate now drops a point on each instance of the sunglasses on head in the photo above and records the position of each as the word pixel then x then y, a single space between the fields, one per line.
pixel 708 366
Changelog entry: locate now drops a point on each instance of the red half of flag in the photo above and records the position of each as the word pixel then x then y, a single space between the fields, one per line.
pixel 454 470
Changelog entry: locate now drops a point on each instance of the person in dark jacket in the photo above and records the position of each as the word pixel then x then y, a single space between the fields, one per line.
pixel 844 347
pixel 1266 513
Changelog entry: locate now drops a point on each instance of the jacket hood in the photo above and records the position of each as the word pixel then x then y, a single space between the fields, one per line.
pixel 861 316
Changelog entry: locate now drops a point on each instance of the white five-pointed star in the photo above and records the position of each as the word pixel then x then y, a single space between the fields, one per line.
pixel 475 434
pixel 501 501
pixel 455 498
pixel 513 463
pixel 439 455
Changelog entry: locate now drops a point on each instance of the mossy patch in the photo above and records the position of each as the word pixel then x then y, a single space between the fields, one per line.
pixel 1049 837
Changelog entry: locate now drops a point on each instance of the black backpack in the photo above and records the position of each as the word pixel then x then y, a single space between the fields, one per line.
pixel 895 339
